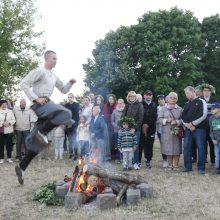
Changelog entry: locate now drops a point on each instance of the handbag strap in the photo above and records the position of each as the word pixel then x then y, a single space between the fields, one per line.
pixel 172 114
pixel 5 117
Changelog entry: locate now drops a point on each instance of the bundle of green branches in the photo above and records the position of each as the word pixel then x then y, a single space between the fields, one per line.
pixel 130 121
pixel 46 194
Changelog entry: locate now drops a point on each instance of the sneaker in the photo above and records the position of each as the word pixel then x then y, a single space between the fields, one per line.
pixel 42 138
pixel 217 171
pixel 2 161
pixel 74 158
pixel 165 164
pixel 201 172
pixel 18 159
pixel 148 164
pixel 9 160
pixel 194 160
pixel 136 167
pixel 20 174
pixel 186 170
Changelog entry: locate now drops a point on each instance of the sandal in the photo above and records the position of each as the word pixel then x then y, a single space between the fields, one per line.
pixel 176 168
pixel 169 168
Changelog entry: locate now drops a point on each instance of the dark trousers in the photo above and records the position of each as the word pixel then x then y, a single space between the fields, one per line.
pixel 27 159
pixel 20 137
pixel 211 147
pixel 194 150
pixel 5 140
pixel 164 156
pixel 146 144
pixel 49 115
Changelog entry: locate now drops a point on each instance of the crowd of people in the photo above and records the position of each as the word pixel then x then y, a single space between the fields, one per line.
pixel 109 128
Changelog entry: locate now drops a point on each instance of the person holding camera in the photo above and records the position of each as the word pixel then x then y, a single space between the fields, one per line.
pixel 208 95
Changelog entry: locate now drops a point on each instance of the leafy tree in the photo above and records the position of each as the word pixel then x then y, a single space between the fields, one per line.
pixel 162 53
pixel 17 49
pixel 211 57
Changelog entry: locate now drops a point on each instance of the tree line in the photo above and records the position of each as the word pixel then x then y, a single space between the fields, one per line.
pixel 165 51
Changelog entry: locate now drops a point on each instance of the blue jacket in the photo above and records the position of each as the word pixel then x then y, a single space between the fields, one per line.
pixel 98 127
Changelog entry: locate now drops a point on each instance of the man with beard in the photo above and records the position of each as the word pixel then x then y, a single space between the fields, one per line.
pixel 148 128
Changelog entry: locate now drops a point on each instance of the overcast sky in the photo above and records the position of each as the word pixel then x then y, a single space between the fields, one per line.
pixel 72 27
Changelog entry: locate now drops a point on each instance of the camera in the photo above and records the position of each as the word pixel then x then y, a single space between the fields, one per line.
pixel 209 106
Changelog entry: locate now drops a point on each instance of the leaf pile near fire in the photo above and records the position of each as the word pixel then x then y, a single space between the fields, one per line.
pixel 46 194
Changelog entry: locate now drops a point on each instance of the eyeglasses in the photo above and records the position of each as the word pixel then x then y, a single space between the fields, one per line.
pixel 173 97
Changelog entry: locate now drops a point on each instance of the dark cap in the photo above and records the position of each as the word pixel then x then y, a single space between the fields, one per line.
pixel 161 96
pixel 148 92
pixel 2 101
pixel 215 105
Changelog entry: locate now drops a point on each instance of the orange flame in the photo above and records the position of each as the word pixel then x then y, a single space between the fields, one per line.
pixel 82 185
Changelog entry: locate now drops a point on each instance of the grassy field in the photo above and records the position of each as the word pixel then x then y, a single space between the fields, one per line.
pixel 177 195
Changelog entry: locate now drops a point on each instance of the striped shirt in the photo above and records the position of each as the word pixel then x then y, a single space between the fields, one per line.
pixel 126 139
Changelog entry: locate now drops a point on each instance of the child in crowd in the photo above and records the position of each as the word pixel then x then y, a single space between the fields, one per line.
pixel 127 141
pixel 214 122
pixel 59 136
pixel 83 136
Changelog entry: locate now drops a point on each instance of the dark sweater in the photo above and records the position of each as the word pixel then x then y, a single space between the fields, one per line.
pixel 150 116
pixel 134 110
pixel 74 108
pixel 195 111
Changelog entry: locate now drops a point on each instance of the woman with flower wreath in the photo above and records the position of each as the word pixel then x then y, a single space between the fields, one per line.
pixel 169 120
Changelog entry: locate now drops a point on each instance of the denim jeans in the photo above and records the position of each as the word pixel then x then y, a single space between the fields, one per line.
pixel 217 156
pixel 199 137
pixel 136 153
pixel 83 148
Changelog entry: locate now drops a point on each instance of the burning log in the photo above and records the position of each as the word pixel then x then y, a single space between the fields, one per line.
pixel 76 174
pixel 127 178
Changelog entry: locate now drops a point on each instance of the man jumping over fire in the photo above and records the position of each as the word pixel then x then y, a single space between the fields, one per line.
pixel 42 81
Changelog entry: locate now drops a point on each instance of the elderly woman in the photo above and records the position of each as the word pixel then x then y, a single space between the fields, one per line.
pixel 7 120
pixel 169 119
